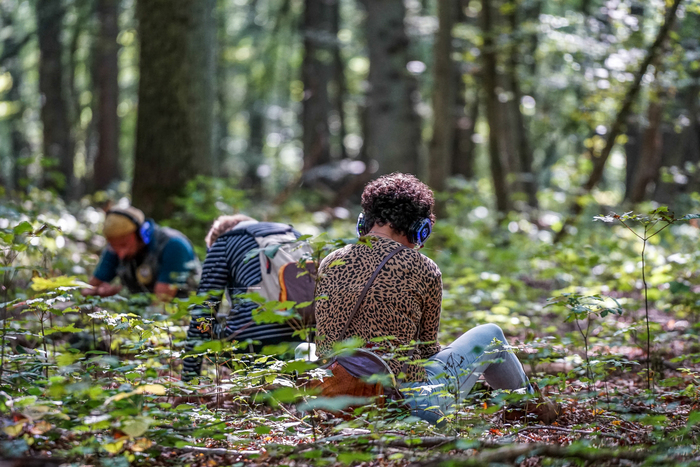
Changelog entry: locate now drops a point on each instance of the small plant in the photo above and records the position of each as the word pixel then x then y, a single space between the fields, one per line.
pixel 586 308
pixel 654 223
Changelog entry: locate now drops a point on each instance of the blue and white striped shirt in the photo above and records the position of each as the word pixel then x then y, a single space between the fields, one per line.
pixel 226 268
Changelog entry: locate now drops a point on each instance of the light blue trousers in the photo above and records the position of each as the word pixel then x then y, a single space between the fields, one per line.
pixel 453 371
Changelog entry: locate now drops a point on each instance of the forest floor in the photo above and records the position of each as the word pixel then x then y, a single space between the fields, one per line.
pixel 608 420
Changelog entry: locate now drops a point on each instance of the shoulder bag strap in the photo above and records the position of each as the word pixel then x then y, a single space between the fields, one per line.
pixel 367 286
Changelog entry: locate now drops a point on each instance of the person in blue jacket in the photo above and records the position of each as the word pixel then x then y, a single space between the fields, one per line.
pixel 146 257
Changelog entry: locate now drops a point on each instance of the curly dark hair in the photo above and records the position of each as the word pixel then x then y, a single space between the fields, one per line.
pixel 397 199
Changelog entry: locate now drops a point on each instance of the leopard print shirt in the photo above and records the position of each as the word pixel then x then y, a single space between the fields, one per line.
pixel 407 291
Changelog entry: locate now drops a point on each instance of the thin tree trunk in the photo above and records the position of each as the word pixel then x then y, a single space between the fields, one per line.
pixel 466 112
pixel 684 148
pixel 526 177
pixel 465 124
pixel 320 40
pixel 488 53
pixel 617 125
pixel 650 160
pixel 222 110
pixel 393 127
pixel 57 144
pixel 19 146
pixel 176 95
pixel 441 145
pixel 106 168
pixel 340 87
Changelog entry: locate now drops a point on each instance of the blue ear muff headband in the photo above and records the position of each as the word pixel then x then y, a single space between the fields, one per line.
pixel 417 234
pixel 361 227
pixel 144 229
pixel 420 231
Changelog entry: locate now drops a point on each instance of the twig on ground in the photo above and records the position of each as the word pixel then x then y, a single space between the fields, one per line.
pixel 512 452
pixel 568 430
pixel 217 451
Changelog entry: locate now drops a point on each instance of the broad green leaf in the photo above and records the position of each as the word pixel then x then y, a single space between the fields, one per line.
pixel 70 328
pixel 263 429
pixel 114 448
pixel 214 346
pixel 22 228
pixel 286 394
pixel 136 427
pixel 352 457
pixel 693 418
pixel 39 283
pixel 66 359
pixel 14 430
pixel 299 366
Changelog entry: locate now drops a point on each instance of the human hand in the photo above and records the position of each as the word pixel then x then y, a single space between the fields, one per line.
pixel 102 290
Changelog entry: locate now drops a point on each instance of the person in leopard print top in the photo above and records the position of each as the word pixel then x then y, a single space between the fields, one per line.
pixel 404 302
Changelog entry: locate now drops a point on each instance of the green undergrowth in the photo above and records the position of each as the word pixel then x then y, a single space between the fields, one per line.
pixel 97 380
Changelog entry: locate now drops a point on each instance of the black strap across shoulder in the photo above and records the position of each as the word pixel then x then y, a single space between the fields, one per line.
pixel 367 286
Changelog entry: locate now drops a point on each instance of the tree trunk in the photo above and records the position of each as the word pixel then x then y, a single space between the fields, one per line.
pixel 393 136
pixel 684 148
pixel 488 53
pixel 340 90
pixel 176 93
pixel 465 124
pixel 57 144
pixel 442 143
pixel 320 41
pixel 106 169
pixel 16 176
pixel 650 158
pixel 526 176
pixel 621 117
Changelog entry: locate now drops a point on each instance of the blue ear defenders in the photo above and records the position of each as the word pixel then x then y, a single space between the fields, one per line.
pixel 418 233
pixel 361 227
pixel 145 232
pixel 145 229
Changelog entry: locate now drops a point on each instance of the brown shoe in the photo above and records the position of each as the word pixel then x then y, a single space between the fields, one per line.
pixel 540 408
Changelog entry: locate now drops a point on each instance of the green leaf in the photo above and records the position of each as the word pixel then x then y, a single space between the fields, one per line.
pixel 286 395
pixel 22 228
pixel 263 429
pixel 137 426
pixel 333 404
pixel 39 283
pixel 272 250
pixel 67 359
pixel 214 346
pixel 693 418
pixel 70 328
pixel 114 448
pixel 298 365
pixel 351 457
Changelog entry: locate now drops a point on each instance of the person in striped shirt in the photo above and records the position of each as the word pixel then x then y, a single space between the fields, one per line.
pixel 226 269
